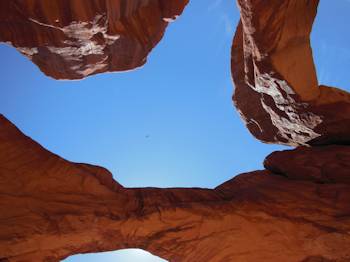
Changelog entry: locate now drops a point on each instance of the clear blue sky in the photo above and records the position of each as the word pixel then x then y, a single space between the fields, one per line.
pixel 170 123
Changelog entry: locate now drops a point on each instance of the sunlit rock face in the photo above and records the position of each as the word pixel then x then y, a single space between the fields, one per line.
pixel 276 87
pixel 52 208
pixel 72 39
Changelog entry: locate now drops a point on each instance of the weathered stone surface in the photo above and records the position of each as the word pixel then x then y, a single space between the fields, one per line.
pixel 51 208
pixel 72 39
pixel 277 92
pixel 326 164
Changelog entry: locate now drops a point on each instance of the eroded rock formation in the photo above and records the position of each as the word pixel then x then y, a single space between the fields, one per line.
pixel 297 209
pixel 52 208
pixel 277 92
pixel 72 39
pixel 326 164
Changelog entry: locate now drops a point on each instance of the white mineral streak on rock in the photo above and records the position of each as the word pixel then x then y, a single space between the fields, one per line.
pixel 28 51
pixel 82 44
pixel 256 123
pixel 84 31
pixel 170 19
pixel 92 68
pixel 75 53
pixel 249 121
pixel 43 24
pixel 297 126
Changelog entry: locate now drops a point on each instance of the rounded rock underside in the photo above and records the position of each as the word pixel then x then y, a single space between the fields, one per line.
pixel 73 39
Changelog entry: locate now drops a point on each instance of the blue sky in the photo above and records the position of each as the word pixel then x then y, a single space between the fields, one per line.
pixel 170 123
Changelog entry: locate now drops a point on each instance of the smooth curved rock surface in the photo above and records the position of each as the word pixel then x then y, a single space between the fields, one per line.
pixel 51 208
pixel 72 39
pixel 276 87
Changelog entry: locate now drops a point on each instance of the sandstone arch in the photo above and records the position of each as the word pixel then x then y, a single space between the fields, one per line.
pixel 52 208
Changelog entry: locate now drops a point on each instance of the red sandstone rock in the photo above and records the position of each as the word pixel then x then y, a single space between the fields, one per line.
pixel 296 210
pixel 72 39
pixel 277 92
pixel 326 164
pixel 51 208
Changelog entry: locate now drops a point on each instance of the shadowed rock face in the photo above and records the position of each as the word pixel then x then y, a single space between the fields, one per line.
pixel 72 39
pixel 327 164
pixel 277 92
pixel 52 208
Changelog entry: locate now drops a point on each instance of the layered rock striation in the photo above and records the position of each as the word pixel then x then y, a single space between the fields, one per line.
pixel 72 39
pixel 277 92
pixel 52 208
